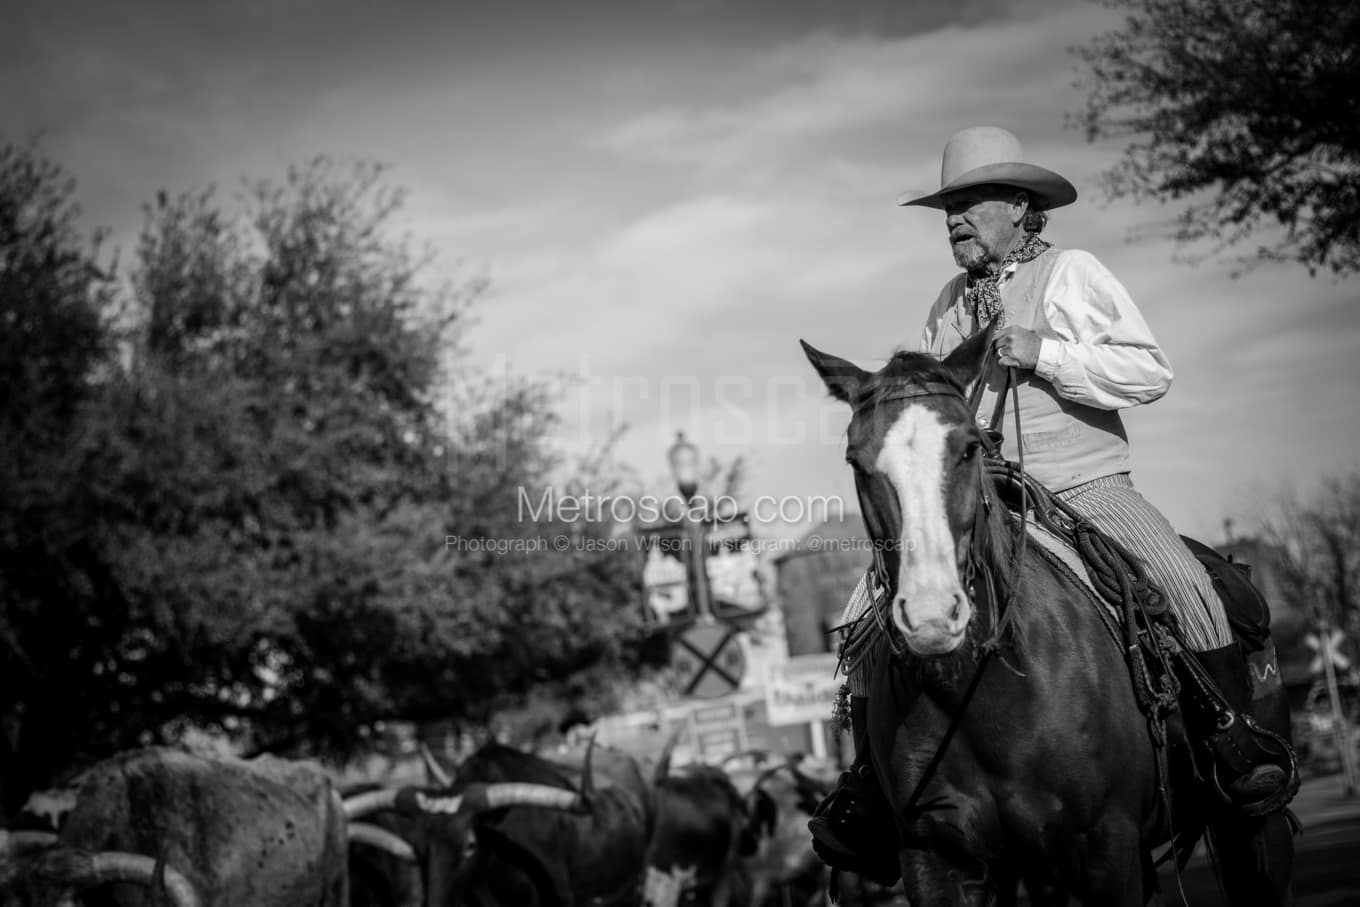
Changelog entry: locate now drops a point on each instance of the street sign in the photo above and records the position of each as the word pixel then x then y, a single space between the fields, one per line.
pixel 1327 645
pixel 708 660
pixel 733 568
pixel 665 576
pixel 802 689
pixel 718 730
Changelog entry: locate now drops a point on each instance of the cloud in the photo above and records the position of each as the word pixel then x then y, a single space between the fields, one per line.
pixel 666 201
pixel 829 87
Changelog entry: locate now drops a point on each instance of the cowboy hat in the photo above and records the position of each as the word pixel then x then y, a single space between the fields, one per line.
pixel 990 154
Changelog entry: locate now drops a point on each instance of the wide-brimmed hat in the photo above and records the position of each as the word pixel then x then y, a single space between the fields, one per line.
pixel 990 154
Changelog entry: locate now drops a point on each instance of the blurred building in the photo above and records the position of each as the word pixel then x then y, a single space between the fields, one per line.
pixel 814 580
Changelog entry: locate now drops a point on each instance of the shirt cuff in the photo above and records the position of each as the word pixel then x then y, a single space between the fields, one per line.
pixel 1050 357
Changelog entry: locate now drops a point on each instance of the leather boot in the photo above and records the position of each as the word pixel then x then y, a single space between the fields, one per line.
pixel 852 829
pixel 1251 767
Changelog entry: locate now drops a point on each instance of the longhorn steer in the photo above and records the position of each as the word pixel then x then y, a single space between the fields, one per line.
pixel 210 832
pixel 382 862
pixel 780 799
pixel 702 831
pixel 516 830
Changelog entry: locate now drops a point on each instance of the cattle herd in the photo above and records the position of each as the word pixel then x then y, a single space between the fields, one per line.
pixel 504 827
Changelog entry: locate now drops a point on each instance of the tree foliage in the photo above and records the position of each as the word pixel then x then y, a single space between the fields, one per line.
pixel 54 342
pixel 287 512
pixel 1245 109
pixel 1320 535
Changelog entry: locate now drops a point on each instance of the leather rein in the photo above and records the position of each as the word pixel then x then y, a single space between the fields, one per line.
pixel 976 567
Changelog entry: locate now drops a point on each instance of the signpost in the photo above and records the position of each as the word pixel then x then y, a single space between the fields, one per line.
pixel 1329 659
pixel 702 576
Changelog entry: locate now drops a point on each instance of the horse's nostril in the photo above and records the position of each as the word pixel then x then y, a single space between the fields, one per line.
pixel 902 610
pixel 957 608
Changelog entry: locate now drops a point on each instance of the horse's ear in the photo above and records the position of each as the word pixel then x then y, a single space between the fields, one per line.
pixel 966 362
pixel 842 377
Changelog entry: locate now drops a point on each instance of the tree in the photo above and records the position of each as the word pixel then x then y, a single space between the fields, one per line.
pixel 337 601
pixel 263 488
pixel 1320 535
pixel 1245 109
pixel 55 296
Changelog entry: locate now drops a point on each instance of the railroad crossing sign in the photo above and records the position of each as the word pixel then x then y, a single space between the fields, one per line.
pixel 1327 645
pixel 708 660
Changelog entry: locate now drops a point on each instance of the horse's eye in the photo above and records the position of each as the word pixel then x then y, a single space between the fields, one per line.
pixel 970 450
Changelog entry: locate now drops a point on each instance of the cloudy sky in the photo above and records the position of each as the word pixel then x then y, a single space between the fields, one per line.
pixel 667 195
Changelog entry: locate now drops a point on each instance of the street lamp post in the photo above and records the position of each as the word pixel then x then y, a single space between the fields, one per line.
pixel 684 460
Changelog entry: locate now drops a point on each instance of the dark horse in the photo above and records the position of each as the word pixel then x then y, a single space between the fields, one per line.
pixel 1034 765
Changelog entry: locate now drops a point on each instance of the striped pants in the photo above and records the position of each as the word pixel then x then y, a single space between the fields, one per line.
pixel 1118 510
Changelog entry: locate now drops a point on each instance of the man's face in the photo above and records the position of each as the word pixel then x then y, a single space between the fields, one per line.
pixel 983 223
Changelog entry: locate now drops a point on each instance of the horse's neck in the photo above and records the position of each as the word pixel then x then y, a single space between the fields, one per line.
pixel 1030 594
pixel 1045 604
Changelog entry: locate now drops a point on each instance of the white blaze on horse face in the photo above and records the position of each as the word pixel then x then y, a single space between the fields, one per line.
pixel 931 609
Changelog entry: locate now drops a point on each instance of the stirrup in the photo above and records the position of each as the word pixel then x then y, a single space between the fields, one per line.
pixel 1251 768
pixel 844 829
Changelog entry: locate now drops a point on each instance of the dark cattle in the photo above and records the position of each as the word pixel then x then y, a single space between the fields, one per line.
pixel 783 869
pixel 515 830
pixel 382 863
pixel 702 831
pixel 210 832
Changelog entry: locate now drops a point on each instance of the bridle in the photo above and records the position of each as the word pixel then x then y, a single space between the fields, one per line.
pixel 977 564
pixel 880 582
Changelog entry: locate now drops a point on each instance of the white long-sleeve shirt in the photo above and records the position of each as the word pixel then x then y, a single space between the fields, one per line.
pixel 1104 356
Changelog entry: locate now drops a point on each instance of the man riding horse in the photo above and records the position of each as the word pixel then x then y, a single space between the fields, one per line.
pixel 1083 352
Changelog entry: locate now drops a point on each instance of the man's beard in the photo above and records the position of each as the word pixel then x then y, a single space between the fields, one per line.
pixel 970 255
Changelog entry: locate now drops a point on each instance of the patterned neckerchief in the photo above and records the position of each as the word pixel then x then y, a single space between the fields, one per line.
pixel 982 293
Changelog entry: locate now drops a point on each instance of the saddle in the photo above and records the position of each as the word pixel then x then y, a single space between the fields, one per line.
pixel 1160 663
pixel 1247 610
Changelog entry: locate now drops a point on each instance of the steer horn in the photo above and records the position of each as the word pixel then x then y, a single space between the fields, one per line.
pixel 805 780
pixel 477 797
pixel 381 838
pixel 485 796
pixel 82 869
pixel 663 761
pixel 18 843
pixel 588 776
pixel 768 773
pixel 757 757
pixel 373 801
pixel 433 770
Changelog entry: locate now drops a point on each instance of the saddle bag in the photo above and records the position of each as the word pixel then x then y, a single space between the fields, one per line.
pixel 1248 613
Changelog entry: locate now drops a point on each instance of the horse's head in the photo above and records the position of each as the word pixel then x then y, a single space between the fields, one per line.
pixel 914 448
